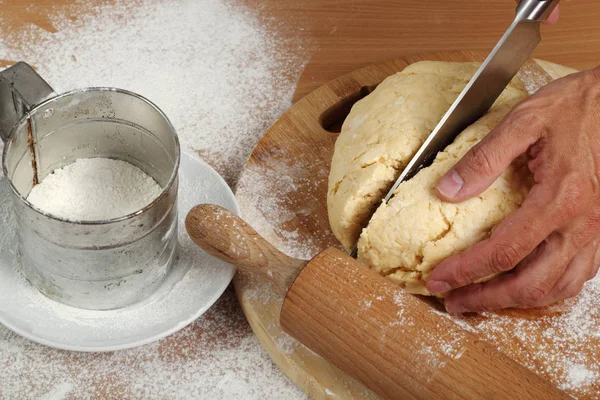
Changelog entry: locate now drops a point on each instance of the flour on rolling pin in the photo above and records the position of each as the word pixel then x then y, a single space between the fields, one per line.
pixel 556 344
pixel 94 189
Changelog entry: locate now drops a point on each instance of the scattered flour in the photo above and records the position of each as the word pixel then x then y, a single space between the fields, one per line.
pixel 286 343
pixel 60 392
pixel 215 69
pixel 578 376
pixel 561 344
pixel 223 74
pixel 270 216
pixel 568 355
pixel 94 189
pixel 217 357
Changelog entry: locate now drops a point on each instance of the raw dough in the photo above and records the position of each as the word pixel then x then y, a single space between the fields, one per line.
pixel 407 237
pixel 381 134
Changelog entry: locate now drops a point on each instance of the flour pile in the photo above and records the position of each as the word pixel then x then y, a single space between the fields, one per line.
pixel 222 74
pixel 94 189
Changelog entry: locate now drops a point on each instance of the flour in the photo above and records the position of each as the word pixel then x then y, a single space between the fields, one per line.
pixel 561 345
pixel 94 189
pixel 223 74
pixel 60 392
pixel 217 357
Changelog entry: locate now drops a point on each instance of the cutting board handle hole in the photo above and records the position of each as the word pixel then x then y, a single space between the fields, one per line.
pixel 333 118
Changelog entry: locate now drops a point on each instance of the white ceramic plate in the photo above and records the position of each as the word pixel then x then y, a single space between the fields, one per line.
pixel 194 285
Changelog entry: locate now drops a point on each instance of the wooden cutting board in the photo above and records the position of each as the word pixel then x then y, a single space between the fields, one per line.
pixel 282 193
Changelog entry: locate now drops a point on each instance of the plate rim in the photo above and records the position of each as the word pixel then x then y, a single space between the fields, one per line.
pixel 166 333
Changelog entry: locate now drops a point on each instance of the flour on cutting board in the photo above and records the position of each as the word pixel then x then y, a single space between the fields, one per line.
pixel 564 362
pixel 222 74
pixel 561 351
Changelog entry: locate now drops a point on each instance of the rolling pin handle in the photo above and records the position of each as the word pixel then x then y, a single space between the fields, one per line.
pixel 231 239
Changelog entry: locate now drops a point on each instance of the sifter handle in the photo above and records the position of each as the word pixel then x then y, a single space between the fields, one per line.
pixel 21 89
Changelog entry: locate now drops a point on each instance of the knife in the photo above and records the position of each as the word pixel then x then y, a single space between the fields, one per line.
pixel 490 80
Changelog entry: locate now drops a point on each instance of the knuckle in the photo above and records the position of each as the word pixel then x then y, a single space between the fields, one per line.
pixel 593 221
pixel 478 299
pixel 481 161
pixel 462 274
pixel 595 74
pixel 573 290
pixel 574 287
pixel 572 199
pixel 523 116
pixel 504 257
pixel 533 294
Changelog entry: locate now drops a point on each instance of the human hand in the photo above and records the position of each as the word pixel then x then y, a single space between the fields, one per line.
pixel 553 18
pixel 549 245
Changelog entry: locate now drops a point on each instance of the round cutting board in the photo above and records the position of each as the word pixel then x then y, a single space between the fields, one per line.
pixel 282 193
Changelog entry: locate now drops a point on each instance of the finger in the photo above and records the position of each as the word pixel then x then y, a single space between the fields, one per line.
pixel 596 264
pixel 486 161
pixel 578 272
pixel 546 209
pixel 553 19
pixel 530 284
pixel 515 238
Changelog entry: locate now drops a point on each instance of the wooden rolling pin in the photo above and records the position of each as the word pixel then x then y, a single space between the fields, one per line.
pixel 393 342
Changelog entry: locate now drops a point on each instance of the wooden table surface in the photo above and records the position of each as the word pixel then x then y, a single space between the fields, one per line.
pixel 351 33
pixel 348 34
pixel 343 35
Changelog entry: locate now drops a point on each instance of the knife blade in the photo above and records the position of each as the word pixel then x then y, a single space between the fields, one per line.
pixel 490 80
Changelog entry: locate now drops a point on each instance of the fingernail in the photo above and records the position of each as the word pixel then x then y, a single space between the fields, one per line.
pixel 453 308
pixel 450 184
pixel 438 287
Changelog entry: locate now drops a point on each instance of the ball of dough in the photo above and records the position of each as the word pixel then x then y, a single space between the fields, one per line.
pixel 381 134
pixel 409 236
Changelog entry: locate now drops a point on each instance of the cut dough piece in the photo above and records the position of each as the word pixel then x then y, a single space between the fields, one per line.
pixel 410 235
pixel 381 134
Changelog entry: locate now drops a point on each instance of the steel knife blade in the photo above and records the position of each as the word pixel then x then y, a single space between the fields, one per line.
pixel 490 80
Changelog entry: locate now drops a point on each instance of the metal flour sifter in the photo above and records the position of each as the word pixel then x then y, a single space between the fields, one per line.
pixel 97 265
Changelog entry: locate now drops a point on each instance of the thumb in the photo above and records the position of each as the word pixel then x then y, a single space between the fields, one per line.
pixel 484 162
pixel 553 18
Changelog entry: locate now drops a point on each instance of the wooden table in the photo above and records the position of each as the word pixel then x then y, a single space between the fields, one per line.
pixel 341 35
pixel 349 34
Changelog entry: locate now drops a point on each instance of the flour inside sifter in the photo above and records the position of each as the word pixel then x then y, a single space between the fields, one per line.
pixel 94 189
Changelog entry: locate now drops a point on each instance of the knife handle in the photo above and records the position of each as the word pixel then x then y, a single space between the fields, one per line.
pixel 535 10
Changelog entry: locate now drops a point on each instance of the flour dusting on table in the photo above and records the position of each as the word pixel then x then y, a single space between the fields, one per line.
pixel 220 73
pixel 223 75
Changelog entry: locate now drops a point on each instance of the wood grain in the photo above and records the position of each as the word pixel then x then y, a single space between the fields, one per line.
pixel 232 240
pixel 340 36
pixel 365 324
pixel 299 147
pixel 353 33
pixel 344 35
pixel 395 343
